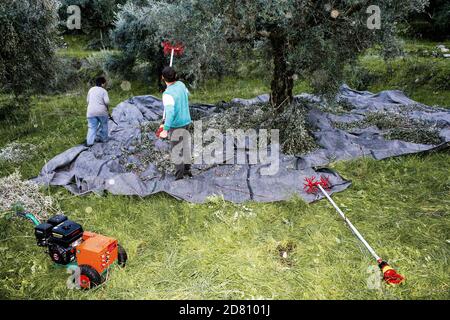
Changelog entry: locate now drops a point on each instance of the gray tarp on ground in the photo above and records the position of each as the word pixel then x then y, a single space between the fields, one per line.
pixel 97 169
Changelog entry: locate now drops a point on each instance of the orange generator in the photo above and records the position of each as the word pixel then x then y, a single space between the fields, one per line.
pixel 69 245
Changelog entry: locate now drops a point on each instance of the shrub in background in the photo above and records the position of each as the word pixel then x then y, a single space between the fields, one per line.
pixel 433 23
pixel 97 18
pixel 27 52
pixel 138 35
pixel 407 74
pixel 299 38
pixel 93 67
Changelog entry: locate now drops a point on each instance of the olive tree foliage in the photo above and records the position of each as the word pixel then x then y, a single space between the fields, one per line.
pixel 433 23
pixel 137 35
pixel 303 39
pixel 308 39
pixel 97 19
pixel 97 15
pixel 28 43
pixel 140 29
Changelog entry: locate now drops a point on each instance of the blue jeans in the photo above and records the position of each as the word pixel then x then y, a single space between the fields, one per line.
pixel 97 130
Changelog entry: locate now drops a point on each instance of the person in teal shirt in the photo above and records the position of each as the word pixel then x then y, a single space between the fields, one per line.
pixel 177 118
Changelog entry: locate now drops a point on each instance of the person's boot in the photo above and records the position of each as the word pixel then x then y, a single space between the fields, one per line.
pixel 179 172
pixel 187 171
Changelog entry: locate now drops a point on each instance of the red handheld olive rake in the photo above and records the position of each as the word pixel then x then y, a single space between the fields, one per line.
pixel 173 50
pixel 312 186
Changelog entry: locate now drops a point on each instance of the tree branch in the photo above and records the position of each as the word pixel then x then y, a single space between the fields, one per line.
pixel 356 7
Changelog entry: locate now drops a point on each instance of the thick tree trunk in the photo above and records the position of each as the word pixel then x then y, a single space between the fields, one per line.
pixel 283 76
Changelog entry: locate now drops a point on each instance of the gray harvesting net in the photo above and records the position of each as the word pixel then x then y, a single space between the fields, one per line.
pixel 135 162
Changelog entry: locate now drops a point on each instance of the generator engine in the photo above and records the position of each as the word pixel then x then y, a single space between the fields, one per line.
pixel 69 245
pixel 61 236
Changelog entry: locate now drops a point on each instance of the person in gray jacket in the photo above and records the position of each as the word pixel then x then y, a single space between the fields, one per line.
pixel 97 113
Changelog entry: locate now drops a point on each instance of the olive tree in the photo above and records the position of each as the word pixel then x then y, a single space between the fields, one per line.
pixel 141 27
pixel 138 35
pixel 96 15
pixel 27 52
pixel 303 38
pixel 28 42
pixel 306 39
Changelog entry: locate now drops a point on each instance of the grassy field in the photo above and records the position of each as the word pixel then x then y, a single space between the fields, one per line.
pixel 420 72
pixel 222 250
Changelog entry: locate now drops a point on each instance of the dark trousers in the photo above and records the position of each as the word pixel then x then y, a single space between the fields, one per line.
pixel 177 136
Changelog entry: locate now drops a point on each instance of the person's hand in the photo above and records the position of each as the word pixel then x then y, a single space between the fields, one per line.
pixel 164 134
pixel 158 132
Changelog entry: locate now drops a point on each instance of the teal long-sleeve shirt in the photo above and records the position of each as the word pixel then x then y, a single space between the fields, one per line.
pixel 176 106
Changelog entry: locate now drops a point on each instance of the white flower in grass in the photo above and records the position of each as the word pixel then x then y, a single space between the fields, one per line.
pixel 125 86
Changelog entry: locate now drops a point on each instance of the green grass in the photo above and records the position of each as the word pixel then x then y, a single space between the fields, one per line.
pixel 179 250
pixel 221 250
pixel 76 47
pixel 420 75
pixel 412 45
pixel 228 88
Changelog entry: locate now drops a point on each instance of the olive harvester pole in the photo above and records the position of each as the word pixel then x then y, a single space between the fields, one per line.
pixel 173 50
pixel 312 186
pixel 171 57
